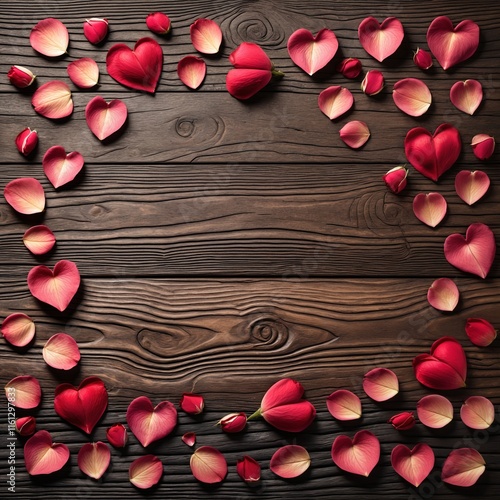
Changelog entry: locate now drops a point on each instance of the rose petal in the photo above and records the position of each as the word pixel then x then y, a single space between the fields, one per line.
pixel 248 469
pixel 413 465
pixel 206 36
pixel 435 411
pixel 373 82
pixel 422 59
pixel 42 456
pixel 466 96
pixel 335 101
pixel 208 465
pixel 380 40
pixel 61 352
pixel 27 141
pixel 290 461
pixel 245 83
pixel 463 467
pixel 39 239
pixel 355 133
pixel 105 118
pixel 50 37
pixel 53 100
pixel 145 472
pixel 430 208
pixel 26 426
pixel 443 294
pixel 250 56
pixel 357 456
pixel 25 195
pixel 381 384
pixel 477 412
pixel 293 417
pixel 95 30
pixel 158 23
pixel 480 331
pixel 24 392
pixel 192 71
pixel 483 146
pixel 192 403
pixel 283 392
pixel 117 435
pixel 189 438
pixel 84 72
pixel 18 329
pixel 61 168
pixel 471 186
pixel 412 96
pixel 94 459
pixel 344 405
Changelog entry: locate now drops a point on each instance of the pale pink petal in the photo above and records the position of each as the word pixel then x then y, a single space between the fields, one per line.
pixel 145 472
pixel 477 412
pixel 480 331
pixel 42 456
pixel 473 254
pixel 61 168
pixel 335 101
pixel 435 411
pixel 381 384
pixel 430 208
pixel 192 71
pixel 471 186
pixel 344 405
pixel 84 72
pixel 149 424
pixel 39 239
pixel 413 465
pixel 18 329
pixel 208 465
pixel 290 461
pixel 311 53
pixel 189 438
pixel 25 195
pixel 206 36
pixel 412 96
pixel 380 40
pixel 105 118
pixel 61 352
pixel 24 392
pixel 359 455
pixel 53 100
pixel 463 467
pixel 94 459
pixel 443 294
pixel 355 133
pixel 483 146
pixel 56 287
pixel 466 96
pixel 50 37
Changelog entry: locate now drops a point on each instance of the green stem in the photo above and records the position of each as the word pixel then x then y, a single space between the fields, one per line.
pixel 257 414
pixel 277 73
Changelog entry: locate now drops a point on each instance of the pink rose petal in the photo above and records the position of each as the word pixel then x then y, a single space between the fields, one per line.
pixel 290 461
pixel 61 352
pixel 413 465
pixel 477 412
pixel 480 331
pixel 24 392
pixel 430 208
pixel 381 384
pixel 61 168
pixel 471 186
pixel 435 411
pixel 466 96
pixel 53 100
pixel 39 240
pixel 483 146
pixel 380 40
pixel 248 469
pixel 412 96
pixel 355 133
pixel 192 71
pixel 208 465
pixel 443 294
pixel 25 195
pixel 50 37
pixel 105 118
pixel 373 82
pixel 189 438
pixel 145 472
pixel 18 329
pixel 43 456
pixel 94 459
pixel 359 455
pixel 344 405
pixel 311 53
pixel 26 426
pixel 463 467
pixel 335 101
pixel 206 36
pixel 84 72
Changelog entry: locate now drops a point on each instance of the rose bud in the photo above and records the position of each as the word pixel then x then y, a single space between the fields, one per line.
pixel 483 146
pixel 373 82
pixel 395 179
pixel 158 23
pixel 26 141
pixel 422 59
pixel 350 67
pixel 20 77
pixel 26 426
pixel 117 435
pixel 402 421
pixel 480 331
pixel 192 403
pixel 234 422
pixel 248 469
pixel 95 30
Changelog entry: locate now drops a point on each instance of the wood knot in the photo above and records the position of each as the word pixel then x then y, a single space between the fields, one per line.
pixel 185 127
pixel 268 330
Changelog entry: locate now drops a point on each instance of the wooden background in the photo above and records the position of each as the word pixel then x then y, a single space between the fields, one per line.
pixel 224 245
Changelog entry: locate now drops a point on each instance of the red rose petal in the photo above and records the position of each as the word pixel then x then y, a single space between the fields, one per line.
pixel 25 195
pixel 53 100
pixel 145 472
pixel 189 438
pixel 61 168
pixel 290 461
pixel 39 239
pixel 94 459
pixel 61 352
pixel 208 465
pixel 18 329
pixel 50 37
pixel 248 469
pixel 42 456
pixel 24 392
pixel 95 30
pixel 206 36
pixel 483 146
pixel 480 331
pixel 117 435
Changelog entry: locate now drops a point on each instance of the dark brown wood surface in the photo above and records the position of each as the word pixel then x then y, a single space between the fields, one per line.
pixel 224 245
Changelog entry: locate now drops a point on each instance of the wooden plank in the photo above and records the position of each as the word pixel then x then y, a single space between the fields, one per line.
pixel 230 340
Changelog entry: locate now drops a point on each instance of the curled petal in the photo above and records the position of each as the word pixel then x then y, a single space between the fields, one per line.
pixel 189 438
pixel 233 422
pixel 443 294
pixel 373 82
pixel 94 459
pixel 463 467
pixel 245 83
pixel 84 72
pixel 20 77
pixel 192 71
pixel 248 469
pixel 435 411
pixel 381 384
pixel 350 67
pixel 335 101
pixel 355 133
pixel 294 417
pixel 53 100
pixel 471 186
pixel 117 435
pixel 412 96
pixel 250 56
pixel 359 455
pixel 158 23
pixel 466 96
pixel 25 195
pixel 413 465
pixel 145 472
pixel 402 421
pixel 61 352
pixel 61 168
pixel 26 141
pixel 43 456
pixel 208 465
pixel 95 30
pixel 423 59
pixel 480 331
pixel 283 392
pixel 50 37
pixel 477 412
pixel 290 461
pixel 105 118
pixel 380 40
pixel 24 392
pixel 395 179
pixel 18 329
pixel 192 403
pixel 26 426
pixel 483 146
pixel 430 208
pixel 39 239
pixel 344 405
pixel 206 36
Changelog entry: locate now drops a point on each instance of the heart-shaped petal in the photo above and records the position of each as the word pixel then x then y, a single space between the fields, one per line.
pixel 430 208
pixel 435 411
pixel 412 96
pixel 443 294
pixel 311 53
pixel 433 155
pixel 84 72
pixel 290 461
pixel 463 467
pixel 344 405
pixel 452 45
pixel 359 455
pixel 149 424
pixel 381 384
pixel 25 195
pixel 82 406
pixel 50 37
pixel 477 412
pixel 335 101
pixel 380 40
pixel 39 239
pixel 105 118
pixel 18 329
pixel 61 168
pixel 471 186
pixel 483 146
pixel 192 71
pixel 145 472
pixel 140 68
pixel 94 459
pixel 473 254
pixel 449 350
pixel 206 36
pixel 480 331
pixel 24 392
pixel 355 133
pixel 413 465
pixel 245 83
pixel 53 100
pixel 43 456
pixel 467 96
pixel 61 352
pixel 208 465
pixel 55 287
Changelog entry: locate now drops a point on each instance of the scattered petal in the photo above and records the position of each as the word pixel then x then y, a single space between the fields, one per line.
pixel 357 456
pixel 413 465
pixel 463 467
pixel 335 101
pixel 395 179
pixel 26 141
pixel 61 352
pixel 95 30
pixel 466 96
pixel 158 23
pixel 373 82
pixel 480 331
pixel 39 240
pixel 430 208
pixel 20 77
pixel 423 59
pixel 355 134
pixel 208 465
pixel 483 146
pixel 233 422
pixel 381 384
pixel 380 40
pixel 43 456
pixel 443 294
pixel 435 411
pixel 245 83
pixel 84 72
pixel 402 421
pixel 248 469
pixel 61 168
pixel 94 459
pixel 24 392
pixel 412 96
pixel 26 426
pixel 189 438
pixel 350 67
pixel 50 37
pixel 117 435
pixel 471 186
pixel 192 403
pixel 344 405
pixel 290 461
pixel 477 412
pixel 25 195
pixel 250 56
pixel 192 71
pixel 18 329
pixel 53 100
pixel 206 36
pixel 105 118
pixel 145 472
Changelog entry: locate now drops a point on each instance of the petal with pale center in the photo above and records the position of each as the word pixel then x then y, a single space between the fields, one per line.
pixel 413 465
pixel 355 133
pixel 94 459
pixel 39 239
pixel 412 96
pixel 208 465
pixel 61 168
pixel 430 208
pixel 463 467
pixel 335 101
pixel 18 329
pixel 466 96
pixel 24 392
pixel 471 186
pixel 477 412
pixel 443 294
pixel 50 37
pixel 105 118
pixel 84 72
pixel 43 456
pixel 359 455
pixel 53 100
pixel 61 352
pixel 192 71
pixel 25 195
pixel 206 36
pixel 290 461
pixel 381 384
pixel 435 411
pixel 344 405
pixel 145 472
